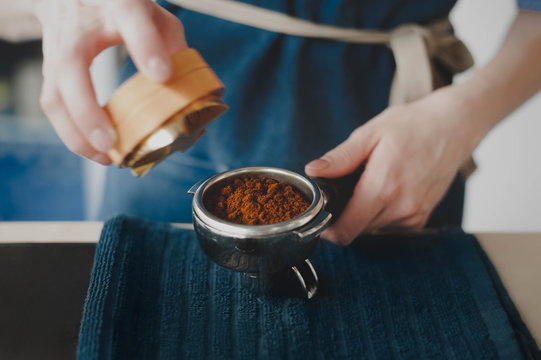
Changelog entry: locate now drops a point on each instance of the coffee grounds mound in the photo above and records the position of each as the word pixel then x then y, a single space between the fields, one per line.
pixel 255 201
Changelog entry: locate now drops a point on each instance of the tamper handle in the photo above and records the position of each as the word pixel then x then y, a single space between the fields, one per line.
pixel 338 191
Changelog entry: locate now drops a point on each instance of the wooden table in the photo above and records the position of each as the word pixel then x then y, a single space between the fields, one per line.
pixel 516 257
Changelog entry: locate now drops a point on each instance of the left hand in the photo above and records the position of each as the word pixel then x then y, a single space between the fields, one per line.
pixel 411 153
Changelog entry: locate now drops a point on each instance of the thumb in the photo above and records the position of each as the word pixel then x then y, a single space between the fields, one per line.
pixel 345 158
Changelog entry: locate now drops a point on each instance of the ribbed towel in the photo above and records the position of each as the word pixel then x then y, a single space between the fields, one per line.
pixel 154 295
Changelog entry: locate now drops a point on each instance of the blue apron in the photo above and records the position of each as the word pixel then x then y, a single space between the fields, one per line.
pixel 291 100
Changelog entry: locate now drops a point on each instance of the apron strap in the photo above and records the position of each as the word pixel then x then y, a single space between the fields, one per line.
pixel 413 75
pixel 414 47
pixel 261 18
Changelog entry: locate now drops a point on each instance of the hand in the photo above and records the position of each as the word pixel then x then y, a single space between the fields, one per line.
pixel 74 33
pixel 411 153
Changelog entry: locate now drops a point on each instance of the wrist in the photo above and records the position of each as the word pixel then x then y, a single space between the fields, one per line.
pixel 455 111
pixel 476 113
pixel 507 81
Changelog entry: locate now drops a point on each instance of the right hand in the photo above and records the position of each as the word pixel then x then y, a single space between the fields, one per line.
pixel 74 33
pixel 411 155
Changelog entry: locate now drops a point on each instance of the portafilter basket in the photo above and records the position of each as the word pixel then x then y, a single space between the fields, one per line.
pixel 262 251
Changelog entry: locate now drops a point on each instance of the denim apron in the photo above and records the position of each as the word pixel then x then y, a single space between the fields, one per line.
pixel 291 100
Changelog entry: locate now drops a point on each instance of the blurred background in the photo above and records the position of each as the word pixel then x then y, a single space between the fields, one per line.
pixel 504 194
pixel 41 180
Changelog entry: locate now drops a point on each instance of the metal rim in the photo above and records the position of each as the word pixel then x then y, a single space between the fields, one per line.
pixel 257 231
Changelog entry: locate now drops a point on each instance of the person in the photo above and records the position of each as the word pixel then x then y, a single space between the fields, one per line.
pixel 293 99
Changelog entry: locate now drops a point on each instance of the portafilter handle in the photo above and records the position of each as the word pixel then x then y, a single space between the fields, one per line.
pixel 338 191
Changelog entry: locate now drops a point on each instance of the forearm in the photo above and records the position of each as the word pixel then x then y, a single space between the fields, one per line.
pixel 17 21
pixel 508 80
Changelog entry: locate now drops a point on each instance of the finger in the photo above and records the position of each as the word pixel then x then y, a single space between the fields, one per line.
pixel 54 108
pixel 411 211
pixel 401 213
pixel 135 20
pixel 346 157
pixel 75 86
pixel 364 205
pixel 386 222
pixel 404 227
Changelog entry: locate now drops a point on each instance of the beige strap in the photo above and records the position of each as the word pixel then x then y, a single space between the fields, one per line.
pixel 413 76
pixel 274 21
pixel 414 47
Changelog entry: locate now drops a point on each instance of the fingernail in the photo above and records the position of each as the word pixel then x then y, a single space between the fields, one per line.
pixel 102 140
pixel 159 69
pixel 101 159
pixel 318 164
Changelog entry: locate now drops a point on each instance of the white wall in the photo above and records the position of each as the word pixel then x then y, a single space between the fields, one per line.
pixel 505 192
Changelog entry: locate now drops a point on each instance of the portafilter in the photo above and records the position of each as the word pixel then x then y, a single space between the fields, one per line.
pixel 262 251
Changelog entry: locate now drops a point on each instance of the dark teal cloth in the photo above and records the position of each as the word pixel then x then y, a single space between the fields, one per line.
pixel 155 295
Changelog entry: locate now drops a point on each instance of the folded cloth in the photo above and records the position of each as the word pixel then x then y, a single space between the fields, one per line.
pixel 155 295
